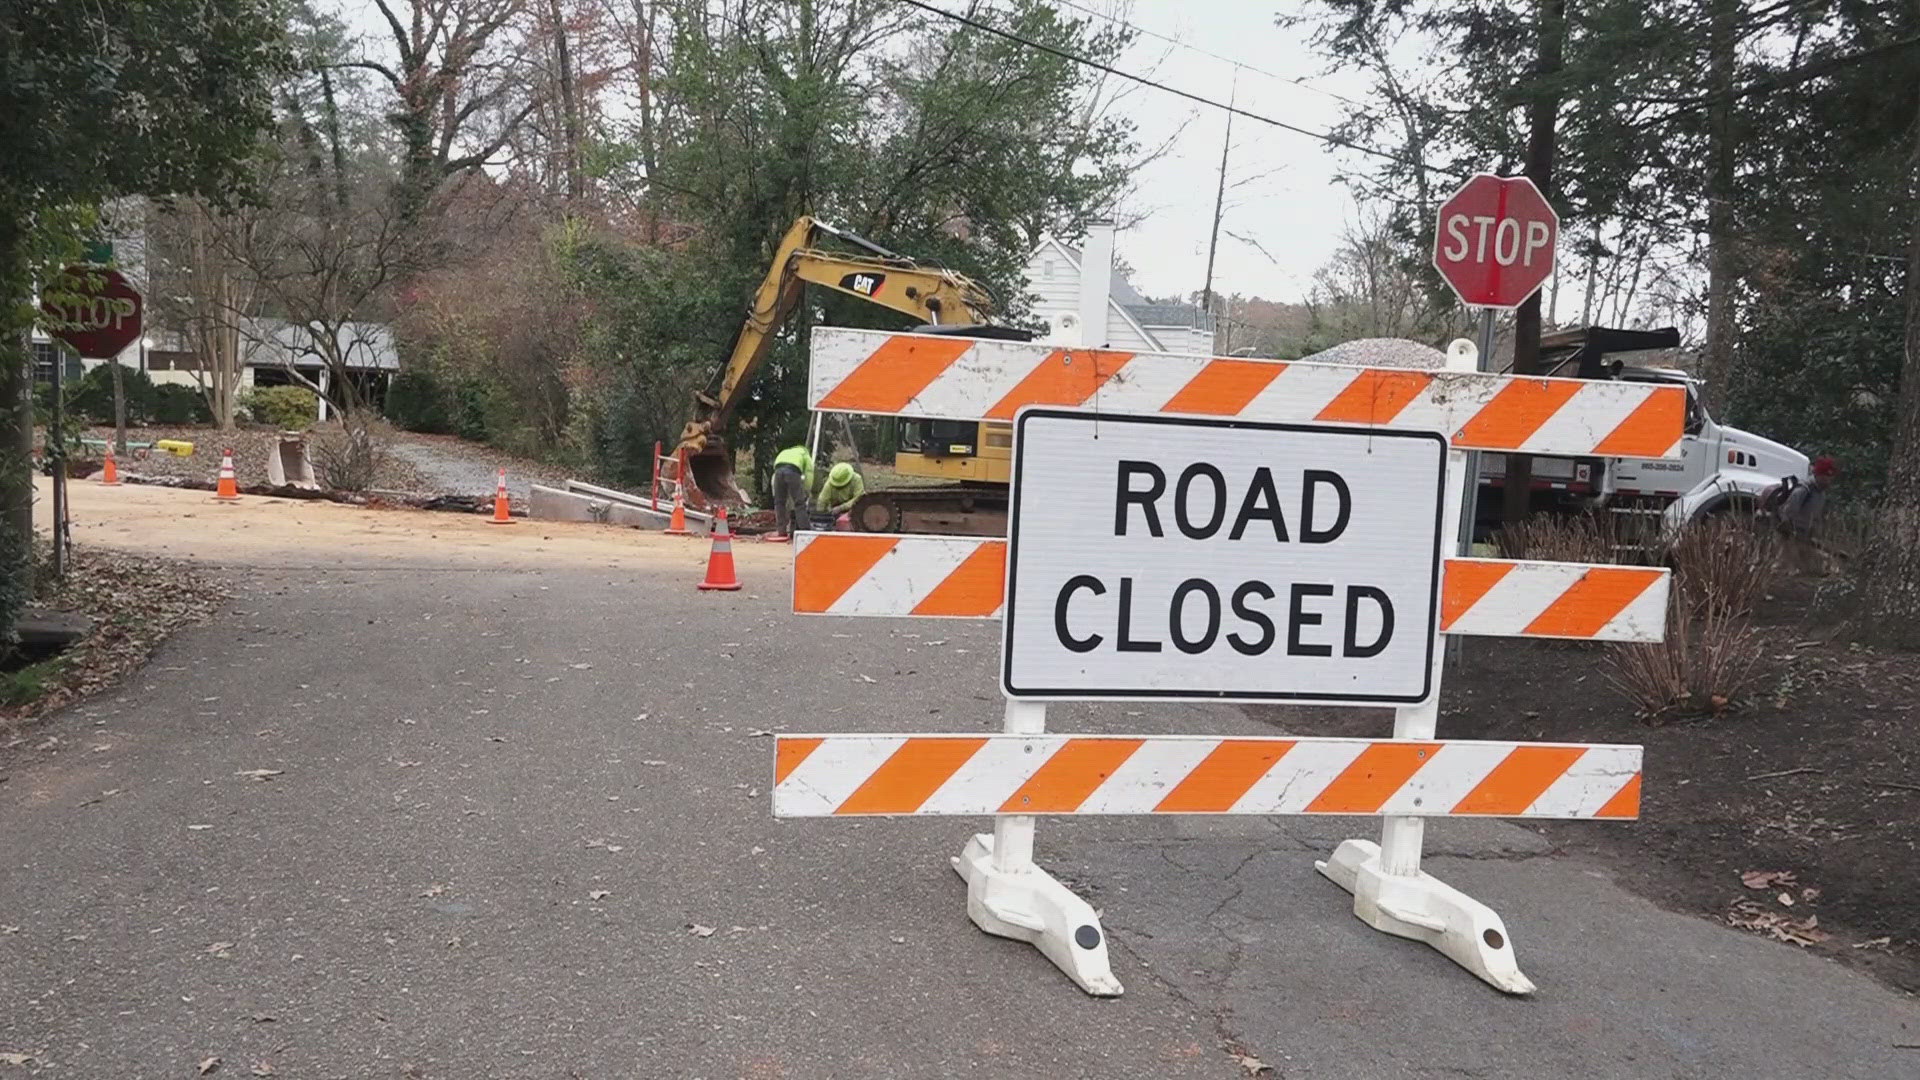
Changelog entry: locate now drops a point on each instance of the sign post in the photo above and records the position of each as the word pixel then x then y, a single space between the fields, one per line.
pixel 1494 245
pixel 99 319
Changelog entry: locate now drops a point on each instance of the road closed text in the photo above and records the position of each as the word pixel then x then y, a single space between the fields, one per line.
pixel 1303 618
pixel 1200 559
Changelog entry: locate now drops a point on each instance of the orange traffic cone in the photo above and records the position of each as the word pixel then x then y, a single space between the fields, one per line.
pixel 720 561
pixel 501 509
pixel 677 524
pixel 110 476
pixel 228 489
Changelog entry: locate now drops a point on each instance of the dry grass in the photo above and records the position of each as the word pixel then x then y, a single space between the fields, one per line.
pixel 1721 567
pixel 352 455
pixel 1582 538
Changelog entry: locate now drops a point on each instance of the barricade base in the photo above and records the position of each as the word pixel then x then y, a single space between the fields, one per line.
pixel 1028 904
pixel 1424 908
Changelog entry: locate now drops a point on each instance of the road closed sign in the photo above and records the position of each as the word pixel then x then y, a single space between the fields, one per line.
pixel 1175 557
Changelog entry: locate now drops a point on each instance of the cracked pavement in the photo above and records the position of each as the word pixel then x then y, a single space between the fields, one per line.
pixel 515 788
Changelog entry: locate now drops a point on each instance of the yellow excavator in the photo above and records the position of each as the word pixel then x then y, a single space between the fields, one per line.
pixel 945 302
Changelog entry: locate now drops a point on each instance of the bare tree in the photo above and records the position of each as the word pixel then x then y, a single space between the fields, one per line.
pixel 204 290
pixel 455 65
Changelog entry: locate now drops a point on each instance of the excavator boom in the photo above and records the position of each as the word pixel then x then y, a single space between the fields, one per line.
pixel 928 294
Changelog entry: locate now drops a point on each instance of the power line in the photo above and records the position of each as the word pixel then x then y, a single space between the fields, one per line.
pixel 1323 136
pixel 1242 65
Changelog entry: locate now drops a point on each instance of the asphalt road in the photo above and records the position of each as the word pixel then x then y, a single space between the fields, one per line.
pixel 505 790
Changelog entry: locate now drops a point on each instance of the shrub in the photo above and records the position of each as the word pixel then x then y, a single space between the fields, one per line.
pixel 92 397
pixel 290 408
pixel 417 401
pixel 1721 567
pixel 350 455
pixel 177 404
pixel 1581 538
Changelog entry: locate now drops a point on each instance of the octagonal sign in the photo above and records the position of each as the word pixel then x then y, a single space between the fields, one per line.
pixel 1495 240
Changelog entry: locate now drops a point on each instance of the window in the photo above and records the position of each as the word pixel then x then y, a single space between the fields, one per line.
pixel 44 355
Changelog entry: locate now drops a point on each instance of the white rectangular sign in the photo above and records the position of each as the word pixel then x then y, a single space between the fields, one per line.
pixel 1177 557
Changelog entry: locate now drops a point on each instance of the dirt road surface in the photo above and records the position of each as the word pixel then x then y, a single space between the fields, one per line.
pixel 513 774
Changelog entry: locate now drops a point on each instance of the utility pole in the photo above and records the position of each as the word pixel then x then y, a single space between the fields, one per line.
pixel 1219 204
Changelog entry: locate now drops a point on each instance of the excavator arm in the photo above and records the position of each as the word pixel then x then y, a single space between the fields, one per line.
pixel 928 294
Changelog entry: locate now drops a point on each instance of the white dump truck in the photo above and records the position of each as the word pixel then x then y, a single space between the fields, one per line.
pixel 1721 469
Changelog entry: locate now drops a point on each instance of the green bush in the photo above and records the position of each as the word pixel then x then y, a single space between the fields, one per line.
pixel 290 408
pixel 177 404
pixel 92 397
pixel 418 401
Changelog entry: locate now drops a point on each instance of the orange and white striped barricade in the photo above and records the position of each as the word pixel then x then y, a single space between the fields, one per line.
pixel 1395 512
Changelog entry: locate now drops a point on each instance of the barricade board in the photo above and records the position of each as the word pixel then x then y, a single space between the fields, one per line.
pixel 956 378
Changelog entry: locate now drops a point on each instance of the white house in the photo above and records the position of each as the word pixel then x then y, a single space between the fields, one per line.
pixel 1069 297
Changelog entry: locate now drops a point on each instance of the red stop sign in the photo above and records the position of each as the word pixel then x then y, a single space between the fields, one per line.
pixel 1494 241
pixel 100 318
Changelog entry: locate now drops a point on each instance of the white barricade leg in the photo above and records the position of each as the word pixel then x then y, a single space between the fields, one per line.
pixel 1009 896
pixel 1390 891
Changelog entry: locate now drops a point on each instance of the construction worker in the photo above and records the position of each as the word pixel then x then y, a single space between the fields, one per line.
pixel 792 481
pixel 1800 514
pixel 838 494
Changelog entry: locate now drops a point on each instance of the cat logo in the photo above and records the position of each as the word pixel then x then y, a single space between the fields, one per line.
pixel 863 284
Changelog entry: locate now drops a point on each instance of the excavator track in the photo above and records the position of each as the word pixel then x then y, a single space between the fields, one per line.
pixel 950 510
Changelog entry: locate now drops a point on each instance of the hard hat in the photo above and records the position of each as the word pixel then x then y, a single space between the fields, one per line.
pixel 841 476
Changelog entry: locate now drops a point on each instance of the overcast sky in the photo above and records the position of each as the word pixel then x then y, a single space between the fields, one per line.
pixel 1287 201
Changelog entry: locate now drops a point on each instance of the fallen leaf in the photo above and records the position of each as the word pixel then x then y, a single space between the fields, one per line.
pixel 221 949
pixel 598 894
pixel 16 1059
pixel 699 931
pixel 1253 1066
pixel 259 774
pixel 433 891
pixel 496 738
pixel 262 1068
pixel 1786 899
pixel 1766 879
pixel 1810 894
pixel 1873 943
pixel 759 733
pixel 209 1065
pixel 9 929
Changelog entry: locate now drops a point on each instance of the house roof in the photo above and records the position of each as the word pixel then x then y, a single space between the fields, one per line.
pixel 276 343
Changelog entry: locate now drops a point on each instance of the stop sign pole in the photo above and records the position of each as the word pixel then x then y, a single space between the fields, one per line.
pixel 1494 245
pixel 98 320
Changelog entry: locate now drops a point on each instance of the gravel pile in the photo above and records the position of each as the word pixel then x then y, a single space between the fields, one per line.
pixel 1381 352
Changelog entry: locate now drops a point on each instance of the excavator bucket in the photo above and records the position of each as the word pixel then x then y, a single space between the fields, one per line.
pixel 712 469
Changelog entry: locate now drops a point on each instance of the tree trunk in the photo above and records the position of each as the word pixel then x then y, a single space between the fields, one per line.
pixel 16 395
pixel 1891 579
pixel 1717 362
pixel 643 21
pixel 569 105
pixel 1543 110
